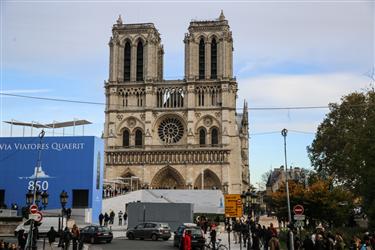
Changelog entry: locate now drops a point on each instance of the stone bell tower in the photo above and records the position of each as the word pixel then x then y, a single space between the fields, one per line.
pixel 136 53
pixel 208 50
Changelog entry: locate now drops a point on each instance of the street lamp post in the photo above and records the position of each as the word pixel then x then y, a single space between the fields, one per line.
pixel 63 200
pixel 36 195
pixel 247 202
pixel 29 198
pixel 284 133
pixel 44 199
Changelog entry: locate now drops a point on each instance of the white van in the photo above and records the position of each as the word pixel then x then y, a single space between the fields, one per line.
pixel 45 225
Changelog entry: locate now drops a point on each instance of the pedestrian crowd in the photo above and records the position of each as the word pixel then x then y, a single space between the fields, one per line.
pixel 109 192
pixel 323 240
pixel 107 219
pixel 7 246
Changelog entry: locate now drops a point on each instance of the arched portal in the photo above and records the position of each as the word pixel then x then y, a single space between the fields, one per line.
pixel 210 180
pixel 168 178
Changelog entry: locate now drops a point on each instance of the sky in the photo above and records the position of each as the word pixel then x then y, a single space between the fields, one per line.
pixel 286 54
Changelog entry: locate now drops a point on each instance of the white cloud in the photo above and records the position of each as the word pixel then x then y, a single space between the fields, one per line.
pixel 294 91
pixel 299 90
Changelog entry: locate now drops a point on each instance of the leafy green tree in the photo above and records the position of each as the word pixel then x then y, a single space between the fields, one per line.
pixel 344 146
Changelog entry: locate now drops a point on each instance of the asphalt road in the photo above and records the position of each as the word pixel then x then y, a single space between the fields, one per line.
pixel 135 244
pixel 118 243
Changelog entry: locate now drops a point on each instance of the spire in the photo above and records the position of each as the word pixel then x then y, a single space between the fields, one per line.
pixel 119 20
pixel 245 117
pixel 221 17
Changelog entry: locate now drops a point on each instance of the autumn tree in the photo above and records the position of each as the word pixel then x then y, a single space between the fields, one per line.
pixel 344 146
pixel 321 201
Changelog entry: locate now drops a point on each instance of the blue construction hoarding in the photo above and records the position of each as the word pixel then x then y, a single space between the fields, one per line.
pixel 73 164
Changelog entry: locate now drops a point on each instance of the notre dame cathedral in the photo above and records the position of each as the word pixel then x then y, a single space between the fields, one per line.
pixel 183 134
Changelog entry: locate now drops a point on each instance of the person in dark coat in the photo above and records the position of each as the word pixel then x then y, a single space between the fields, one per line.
pixel 213 237
pixel 101 217
pixel 308 244
pixel 256 240
pixel 35 237
pixel 67 236
pixel 111 217
pixel 319 242
pixel 106 219
pixel 75 236
pixel 244 232
pixel 21 239
pixel 51 235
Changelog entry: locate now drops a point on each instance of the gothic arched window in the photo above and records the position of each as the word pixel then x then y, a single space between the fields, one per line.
pixel 201 59
pixel 127 58
pixel 140 61
pixel 213 59
pixel 126 138
pixel 138 138
pixel 202 137
pixel 214 136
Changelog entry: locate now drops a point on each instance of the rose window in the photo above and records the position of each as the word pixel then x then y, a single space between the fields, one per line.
pixel 171 130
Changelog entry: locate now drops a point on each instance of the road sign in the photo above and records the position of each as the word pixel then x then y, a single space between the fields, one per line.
pixel 298 209
pixel 299 217
pixel 33 209
pixel 233 205
pixel 37 216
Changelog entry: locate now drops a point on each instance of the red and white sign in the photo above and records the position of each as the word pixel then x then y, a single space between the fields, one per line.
pixel 298 209
pixel 33 209
pixel 36 217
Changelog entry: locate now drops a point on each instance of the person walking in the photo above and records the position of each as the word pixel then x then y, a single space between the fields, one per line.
pixel 101 217
pixel 21 239
pixel 187 240
pixel 67 236
pixel 111 217
pixel 35 238
pixel 106 219
pixel 308 244
pixel 274 243
pixel 236 231
pixel 75 236
pixel 51 235
pixel 120 218
pixel 213 236
pixel 244 232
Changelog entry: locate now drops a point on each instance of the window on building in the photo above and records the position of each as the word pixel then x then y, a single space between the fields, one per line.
pixel 213 59
pixel 126 138
pixel 202 137
pixel 139 100
pixel 201 59
pixel 2 197
pixel 80 198
pixel 138 138
pixel 140 61
pixel 214 136
pixel 127 58
pixel 125 100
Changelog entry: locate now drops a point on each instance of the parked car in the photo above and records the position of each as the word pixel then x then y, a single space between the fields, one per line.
pixel 149 230
pixel 96 234
pixel 197 236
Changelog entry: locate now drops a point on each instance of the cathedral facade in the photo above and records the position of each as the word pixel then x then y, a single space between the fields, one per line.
pixel 182 134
